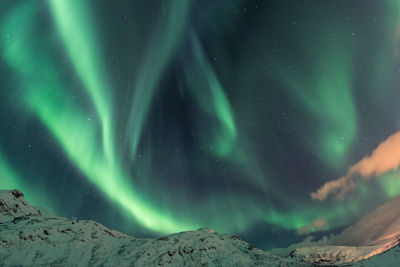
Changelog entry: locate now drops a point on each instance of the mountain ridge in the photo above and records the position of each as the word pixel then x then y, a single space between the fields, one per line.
pixel 29 237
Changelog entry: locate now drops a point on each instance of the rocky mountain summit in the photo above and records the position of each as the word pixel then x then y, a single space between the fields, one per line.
pixel 29 237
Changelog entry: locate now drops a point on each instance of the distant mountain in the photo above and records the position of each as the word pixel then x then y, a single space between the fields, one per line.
pixel 29 237
pixel 379 227
pixel 357 256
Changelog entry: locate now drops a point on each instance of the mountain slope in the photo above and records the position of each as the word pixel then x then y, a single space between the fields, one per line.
pixel 28 237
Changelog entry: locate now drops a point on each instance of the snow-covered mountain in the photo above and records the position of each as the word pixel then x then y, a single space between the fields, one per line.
pixel 355 256
pixel 30 238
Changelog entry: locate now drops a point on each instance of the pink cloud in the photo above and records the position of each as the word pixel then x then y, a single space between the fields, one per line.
pixel 385 158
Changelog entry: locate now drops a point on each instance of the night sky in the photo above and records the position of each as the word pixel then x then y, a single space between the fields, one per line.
pixel 271 120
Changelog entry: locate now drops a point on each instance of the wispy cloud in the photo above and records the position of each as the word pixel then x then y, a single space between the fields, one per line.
pixel 385 158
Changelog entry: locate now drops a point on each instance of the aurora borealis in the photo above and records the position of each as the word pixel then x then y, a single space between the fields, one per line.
pixel 154 117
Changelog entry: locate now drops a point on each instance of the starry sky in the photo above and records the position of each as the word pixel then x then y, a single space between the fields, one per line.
pixel 272 120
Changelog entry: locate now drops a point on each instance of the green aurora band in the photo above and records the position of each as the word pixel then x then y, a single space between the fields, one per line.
pixel 69 124
pixel 208 90
pixel 321 88
pixel 94 147
pixel 156 60
pixel 81 45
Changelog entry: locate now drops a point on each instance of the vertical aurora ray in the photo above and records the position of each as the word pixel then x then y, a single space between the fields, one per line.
pixel 333 89
pixel 204 85
pixel 76 31
pixel 160 51
pixel 327 94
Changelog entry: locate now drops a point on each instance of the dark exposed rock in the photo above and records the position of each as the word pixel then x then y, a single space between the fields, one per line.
pixel 17 193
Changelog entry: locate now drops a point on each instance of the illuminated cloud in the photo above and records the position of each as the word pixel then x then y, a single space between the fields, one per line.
pixel 385 158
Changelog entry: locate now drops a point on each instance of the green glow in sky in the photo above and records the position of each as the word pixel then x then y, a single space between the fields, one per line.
pixel 210 95
pixel 235 147
pixel 159 53
pixel 325 89
pixel 76 32
pixel 45 96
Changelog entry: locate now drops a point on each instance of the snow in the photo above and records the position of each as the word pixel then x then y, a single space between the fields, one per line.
pixel 28 237
pixel 31 238
pixel 341 254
